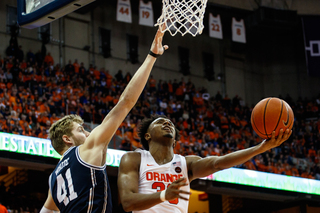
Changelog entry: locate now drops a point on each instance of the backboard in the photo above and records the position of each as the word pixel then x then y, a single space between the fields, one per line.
pixel 35 13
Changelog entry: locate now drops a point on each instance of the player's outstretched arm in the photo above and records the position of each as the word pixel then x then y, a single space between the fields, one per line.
pixel 101 135
pixel 202 167
pixel 49 206
pixel 128 186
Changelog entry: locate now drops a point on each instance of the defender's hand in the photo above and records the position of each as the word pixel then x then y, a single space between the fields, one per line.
pixel 157 47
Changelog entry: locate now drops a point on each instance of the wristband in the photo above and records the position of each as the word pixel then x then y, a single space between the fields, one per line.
pixel 156 55
pixel 153 54
pixel 163 195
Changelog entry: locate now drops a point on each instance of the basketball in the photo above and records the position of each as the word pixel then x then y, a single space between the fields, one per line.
pixel 271 114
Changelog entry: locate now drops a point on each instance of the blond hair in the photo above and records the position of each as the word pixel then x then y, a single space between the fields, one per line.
pixel 62 127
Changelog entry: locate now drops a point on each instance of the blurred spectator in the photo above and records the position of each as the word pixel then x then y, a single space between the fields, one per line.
pixel 20 54
pixel 127 78
pixel 8 75
pixel 39 58
pixel 152 84
pixel 48 60
pixel 3 75
pixel 11 50
pixel 30 57
pixel 119 76
pixel 69 68
pixel 76 67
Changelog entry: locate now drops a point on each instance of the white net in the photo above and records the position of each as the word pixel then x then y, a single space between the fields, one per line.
pixel 182 16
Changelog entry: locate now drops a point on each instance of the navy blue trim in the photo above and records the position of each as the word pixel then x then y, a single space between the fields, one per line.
pixel 24 19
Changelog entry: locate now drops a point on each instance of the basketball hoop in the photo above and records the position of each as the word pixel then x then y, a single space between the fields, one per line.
pixel 183 16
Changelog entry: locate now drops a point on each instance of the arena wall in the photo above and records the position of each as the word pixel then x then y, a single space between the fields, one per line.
pixel 265 68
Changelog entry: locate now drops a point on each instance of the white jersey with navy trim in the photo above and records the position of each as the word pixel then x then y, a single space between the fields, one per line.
pixel 77 186
pixel 154 178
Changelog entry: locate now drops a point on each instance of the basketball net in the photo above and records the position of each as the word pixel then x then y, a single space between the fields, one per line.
pixel 182 16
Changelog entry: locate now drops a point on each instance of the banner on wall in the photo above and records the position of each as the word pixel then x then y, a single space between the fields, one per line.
pixel 146 14
pixel 215 27
pixel 33 146
pixel 124 13
pixel 311 33
pixel 238 31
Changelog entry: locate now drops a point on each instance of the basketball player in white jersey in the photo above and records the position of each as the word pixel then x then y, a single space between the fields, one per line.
pixel 79 183
pixel 156 180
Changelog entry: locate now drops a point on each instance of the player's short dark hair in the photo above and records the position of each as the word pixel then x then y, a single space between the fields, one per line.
pixel 144 126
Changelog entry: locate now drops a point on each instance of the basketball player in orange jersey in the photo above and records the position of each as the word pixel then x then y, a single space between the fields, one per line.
pixel 79 183
pixel 156 180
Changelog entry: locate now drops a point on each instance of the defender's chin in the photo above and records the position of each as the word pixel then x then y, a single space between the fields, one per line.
pixel 168 135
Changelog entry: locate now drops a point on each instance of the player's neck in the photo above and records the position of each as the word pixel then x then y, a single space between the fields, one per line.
pixel 65 149
pixel 161 154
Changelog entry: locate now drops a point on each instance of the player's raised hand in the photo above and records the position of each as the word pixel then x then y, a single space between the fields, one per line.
pixel 277 141
pixel 173 191
pixel 157 47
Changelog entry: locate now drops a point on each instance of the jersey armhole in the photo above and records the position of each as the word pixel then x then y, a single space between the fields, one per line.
pixel 141 152
pixel 50 183
pixel 186 166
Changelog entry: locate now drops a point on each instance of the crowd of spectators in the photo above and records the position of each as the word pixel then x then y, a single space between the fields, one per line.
pixel 35 92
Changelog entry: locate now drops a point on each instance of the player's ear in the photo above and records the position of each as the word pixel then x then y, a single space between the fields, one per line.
pixel 66 139
pixel 147 136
